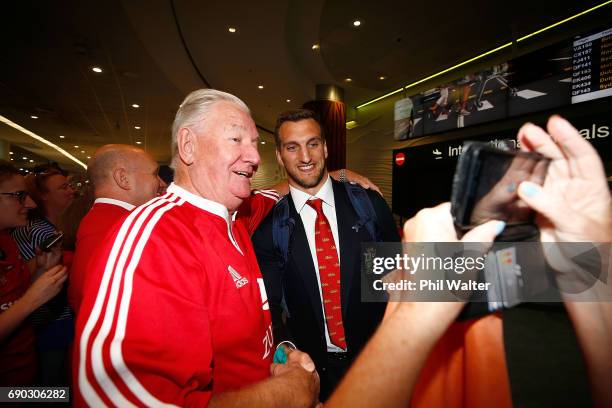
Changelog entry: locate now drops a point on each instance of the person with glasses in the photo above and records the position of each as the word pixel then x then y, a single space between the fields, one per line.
pixel 20 291
pixel 50 189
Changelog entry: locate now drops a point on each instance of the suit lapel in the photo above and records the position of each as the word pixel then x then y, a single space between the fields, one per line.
pixel 302 259
pixel 350 245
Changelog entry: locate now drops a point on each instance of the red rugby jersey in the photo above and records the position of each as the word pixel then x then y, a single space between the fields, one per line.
pixel 179 311
pixel 17 358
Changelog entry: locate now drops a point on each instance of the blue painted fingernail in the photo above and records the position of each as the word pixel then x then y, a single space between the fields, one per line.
pixel 500 227
pixel 530 189
pixel 511 187
pixel 280 357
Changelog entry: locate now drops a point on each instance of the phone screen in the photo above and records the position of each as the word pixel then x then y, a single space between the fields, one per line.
pixel 498 177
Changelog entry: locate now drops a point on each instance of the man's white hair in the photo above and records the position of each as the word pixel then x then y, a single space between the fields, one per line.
pixel 195 108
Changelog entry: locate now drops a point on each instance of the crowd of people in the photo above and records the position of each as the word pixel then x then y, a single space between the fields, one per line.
pixel 204 291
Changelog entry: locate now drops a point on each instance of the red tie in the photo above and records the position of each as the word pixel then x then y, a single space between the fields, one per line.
pixel 329 273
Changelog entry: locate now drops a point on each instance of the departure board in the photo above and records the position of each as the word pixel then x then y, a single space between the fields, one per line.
pixel 592 67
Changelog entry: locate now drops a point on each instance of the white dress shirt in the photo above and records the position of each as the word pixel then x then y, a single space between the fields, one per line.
pixel 309 216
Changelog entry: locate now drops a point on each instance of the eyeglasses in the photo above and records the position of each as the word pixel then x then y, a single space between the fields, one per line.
pixel 19 195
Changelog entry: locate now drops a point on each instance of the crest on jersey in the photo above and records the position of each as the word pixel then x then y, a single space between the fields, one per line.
pixel 239 281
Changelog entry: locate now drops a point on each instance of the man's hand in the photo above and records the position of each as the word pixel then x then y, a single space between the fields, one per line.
pixel 299 371
pixel 353 177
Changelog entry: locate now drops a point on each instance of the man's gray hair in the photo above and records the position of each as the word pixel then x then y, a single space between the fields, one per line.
pixel 194 109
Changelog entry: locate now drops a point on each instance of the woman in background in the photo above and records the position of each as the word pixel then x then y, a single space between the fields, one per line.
pixel 54 322
pixel 18 299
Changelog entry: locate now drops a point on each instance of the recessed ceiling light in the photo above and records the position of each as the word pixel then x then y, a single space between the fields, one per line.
pixel 232 29
pixel 137 127
pixel 82 151
pixel 11 153
pixel 348 80
pixel 263 142
pixel 260 86
pixel 288 100
pixel 316 46
pixel 24 158
pixel 62 137
pixel 34 116
pixel 89 157
pixel 135 105
pixel 138 142
pixel 12 160
pixel 76 146
pixel 31 161
pixel 382 77
pixel 356 23
pixel 97 69
pixel 20 169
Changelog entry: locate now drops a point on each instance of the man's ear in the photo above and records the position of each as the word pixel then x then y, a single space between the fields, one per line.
pixel 186 144
pixel 279 159
pixel 121 178
pixel 325 148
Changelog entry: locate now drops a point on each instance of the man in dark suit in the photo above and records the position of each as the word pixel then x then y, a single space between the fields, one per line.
pixel 320 282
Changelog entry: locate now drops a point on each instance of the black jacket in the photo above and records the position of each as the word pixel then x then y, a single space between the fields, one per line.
pixel 304 326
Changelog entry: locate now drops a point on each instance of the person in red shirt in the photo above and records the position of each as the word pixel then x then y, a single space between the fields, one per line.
pixel 19 297
pixel 175 311
pixel 123 177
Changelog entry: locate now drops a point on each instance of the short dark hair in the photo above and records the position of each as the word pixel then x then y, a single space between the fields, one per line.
pixel 7 170
pixel 294 115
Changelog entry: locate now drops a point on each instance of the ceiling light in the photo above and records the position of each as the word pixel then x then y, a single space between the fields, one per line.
pixel 135 105
pixel 138 142
pixel 82 151
pixel 31 161
pixel 24 158
pixel 62 137
pixel 76 147
pixel 97 69
pixel 231 29
pixel 20 169
pixel 12 160
pixel 263 142
pixel 34 116
pixel 348 80
pixel 356 23
pixel 11 153
pixel 260 86
pixel 40 139
pixel 89 157
pixel 351 124
pixel 288 100
pixel 137 127
pixel 382 77
pixel 315 47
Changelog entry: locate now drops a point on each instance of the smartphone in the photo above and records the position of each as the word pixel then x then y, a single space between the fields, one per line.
pixel 50 242
pixel 486 182
pixel 485 188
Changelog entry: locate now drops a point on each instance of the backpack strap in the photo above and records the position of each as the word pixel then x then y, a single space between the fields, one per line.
pixel 282 228
pixel 365 210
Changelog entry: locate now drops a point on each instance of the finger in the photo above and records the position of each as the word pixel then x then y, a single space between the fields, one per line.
pixel 55 270
pixel 581 155
pixel 540 201
pixel 61 279
pixel 302 359
pixel 534 139
pixel 485 232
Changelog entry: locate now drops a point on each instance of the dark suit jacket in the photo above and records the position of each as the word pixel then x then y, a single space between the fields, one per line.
pixel 304 326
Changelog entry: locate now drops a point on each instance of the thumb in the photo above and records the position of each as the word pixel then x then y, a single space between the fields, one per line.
pixel 540 201
pixel 307 363
pixel 485 232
